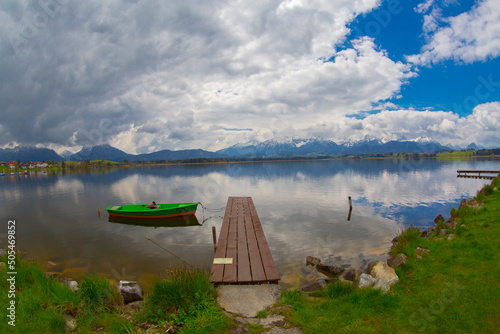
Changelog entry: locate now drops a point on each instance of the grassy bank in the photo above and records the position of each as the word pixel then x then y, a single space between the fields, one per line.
pixel 454 288
pixel 181 302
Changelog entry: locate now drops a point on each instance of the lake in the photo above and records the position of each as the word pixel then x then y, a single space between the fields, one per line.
pixel 303 207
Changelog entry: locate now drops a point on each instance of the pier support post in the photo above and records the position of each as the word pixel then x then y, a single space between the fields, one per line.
pixel 350 209
pixel 214 236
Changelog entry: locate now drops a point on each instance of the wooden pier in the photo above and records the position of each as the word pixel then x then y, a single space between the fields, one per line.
pixel 478 174
pixel 242 254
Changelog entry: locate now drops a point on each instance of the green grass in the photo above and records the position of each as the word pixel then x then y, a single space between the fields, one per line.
pixel 183 301
pixel 452 289
pixel 186 299
pixel 40 302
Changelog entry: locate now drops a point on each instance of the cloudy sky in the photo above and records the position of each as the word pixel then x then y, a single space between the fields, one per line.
pixel 148 75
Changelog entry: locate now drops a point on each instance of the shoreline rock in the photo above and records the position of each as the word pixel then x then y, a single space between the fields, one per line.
pixel 131 291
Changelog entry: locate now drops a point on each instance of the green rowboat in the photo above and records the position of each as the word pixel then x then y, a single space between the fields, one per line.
pixel 165 210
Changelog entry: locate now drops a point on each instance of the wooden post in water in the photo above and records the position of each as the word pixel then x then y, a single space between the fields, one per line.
pixel 350 209
pixel 214 236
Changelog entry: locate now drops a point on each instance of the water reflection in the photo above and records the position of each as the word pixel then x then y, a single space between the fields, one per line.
pixel 303 207
pixel 167 222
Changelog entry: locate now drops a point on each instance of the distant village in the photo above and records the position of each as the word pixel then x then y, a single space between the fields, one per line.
pixel 28 165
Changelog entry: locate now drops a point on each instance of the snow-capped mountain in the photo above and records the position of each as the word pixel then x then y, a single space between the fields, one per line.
pixel 282 147
pixel 296 147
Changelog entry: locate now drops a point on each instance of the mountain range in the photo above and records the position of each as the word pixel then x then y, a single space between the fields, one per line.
pixel 273 148
pixel 29 153
pixel 314 147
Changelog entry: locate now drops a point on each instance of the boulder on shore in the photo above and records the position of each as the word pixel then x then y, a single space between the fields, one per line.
pixel 365 280
pixel 397 260
pixel 312 261
pixel 352 275
pixel 330 271
pixel 382 270
pixel 439 219
pixel 381 284
pixel 131 291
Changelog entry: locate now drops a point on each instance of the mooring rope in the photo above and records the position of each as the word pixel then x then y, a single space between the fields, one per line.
pixel 211 210
pixel 169 251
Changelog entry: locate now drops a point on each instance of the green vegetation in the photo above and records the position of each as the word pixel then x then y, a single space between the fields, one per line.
pixel 451 289
pixel 183 301
pixel 456 154
pixel 186 300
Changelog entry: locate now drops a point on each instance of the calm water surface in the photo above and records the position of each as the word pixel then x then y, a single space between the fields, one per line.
pixel 303 207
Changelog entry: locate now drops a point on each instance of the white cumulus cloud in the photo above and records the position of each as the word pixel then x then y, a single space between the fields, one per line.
pixel 466 38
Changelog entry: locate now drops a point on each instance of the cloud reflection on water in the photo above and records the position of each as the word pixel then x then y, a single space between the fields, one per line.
pixel 303 207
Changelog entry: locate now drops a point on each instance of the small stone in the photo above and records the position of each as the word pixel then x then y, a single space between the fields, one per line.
pixel 365 280
pixel 282 308
pixel 273 320
pixel 451 236
pixel 397 260
pixel 73 285
pixel 312 261
pixel 352 275
pixel 70 322
pixel 419 257
pixel 439 219
pixel 135 306
pixel 463 202
pixel 431 229
pixel 330 271
pixel 422 250
pixel 443 231
pixel 130 291
pixel 239 330
pixel 423 234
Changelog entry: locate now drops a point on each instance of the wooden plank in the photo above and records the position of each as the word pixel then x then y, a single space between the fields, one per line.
pixel 217 271
pixel 230 270
pixel 256 266
pixel 267 258
pixel 242 239
pixel 244 275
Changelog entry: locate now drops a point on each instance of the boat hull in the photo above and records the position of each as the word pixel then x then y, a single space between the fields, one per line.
pixel 181 221
pixel 163 211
